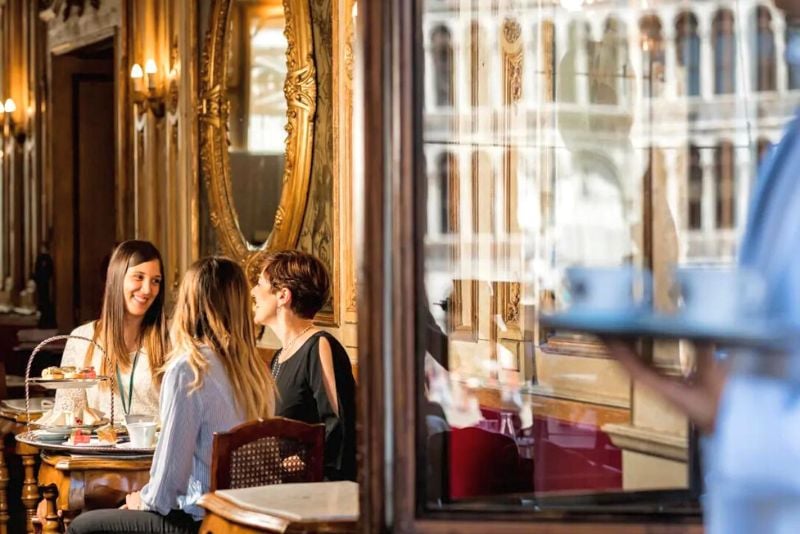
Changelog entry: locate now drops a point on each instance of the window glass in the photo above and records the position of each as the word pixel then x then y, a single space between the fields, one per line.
pixel 567 135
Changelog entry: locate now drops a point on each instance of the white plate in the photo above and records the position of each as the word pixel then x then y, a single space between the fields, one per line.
pixel 18 405
pixel 93 442
pixel 66 383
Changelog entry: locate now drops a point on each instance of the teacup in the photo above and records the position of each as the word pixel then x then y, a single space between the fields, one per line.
pixel 714 294
pixel 142 435
pixel 609 289
pixel 141 430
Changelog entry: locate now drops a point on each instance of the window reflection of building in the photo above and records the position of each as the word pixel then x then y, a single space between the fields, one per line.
pixel 793 36
pixel 548 60
pixel 688 52
pixel 652 54
pixel 765 51
pixel 725 184
pixel 695 192
pixel 479 86
pixel 447 174
pixel 442 51
pixel 762 147
pixel 724 52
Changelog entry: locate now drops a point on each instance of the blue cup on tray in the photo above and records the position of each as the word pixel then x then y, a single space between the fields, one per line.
pixel 609 291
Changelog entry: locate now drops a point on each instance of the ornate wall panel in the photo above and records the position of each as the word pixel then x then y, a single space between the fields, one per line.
pixel 317 235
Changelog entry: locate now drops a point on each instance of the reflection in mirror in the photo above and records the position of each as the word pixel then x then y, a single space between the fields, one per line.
pixel 257 70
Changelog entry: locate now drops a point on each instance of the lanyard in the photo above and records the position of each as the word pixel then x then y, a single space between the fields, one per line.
pixel 126 407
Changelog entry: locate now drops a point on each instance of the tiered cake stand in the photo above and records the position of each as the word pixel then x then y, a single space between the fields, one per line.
pixel 30 437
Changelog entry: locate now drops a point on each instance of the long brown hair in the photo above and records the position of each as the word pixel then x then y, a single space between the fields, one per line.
pixel 109 329
pixel 213 309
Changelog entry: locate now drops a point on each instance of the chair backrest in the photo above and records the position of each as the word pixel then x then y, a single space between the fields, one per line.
pixel 267 451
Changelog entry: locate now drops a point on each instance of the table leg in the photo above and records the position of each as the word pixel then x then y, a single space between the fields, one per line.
pixel 30 489
pixel 51 524
pixel 3 492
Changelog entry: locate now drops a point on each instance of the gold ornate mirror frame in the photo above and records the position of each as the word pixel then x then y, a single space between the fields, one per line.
pixel 300 89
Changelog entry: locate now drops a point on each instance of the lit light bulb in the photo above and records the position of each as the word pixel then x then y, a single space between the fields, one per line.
pixel 150 66
pixel 10 106
pixel 136 72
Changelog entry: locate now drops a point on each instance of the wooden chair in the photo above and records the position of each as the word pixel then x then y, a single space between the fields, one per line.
pixel 267 451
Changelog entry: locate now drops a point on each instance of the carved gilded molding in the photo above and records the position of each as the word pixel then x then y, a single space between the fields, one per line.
pixel 300 88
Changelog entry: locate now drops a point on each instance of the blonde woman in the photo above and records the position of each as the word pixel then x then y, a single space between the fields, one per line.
pixel 132 330
pixel 214 380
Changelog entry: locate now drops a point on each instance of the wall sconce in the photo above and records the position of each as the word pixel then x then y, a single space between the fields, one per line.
pixel 151 100
pixel 9 107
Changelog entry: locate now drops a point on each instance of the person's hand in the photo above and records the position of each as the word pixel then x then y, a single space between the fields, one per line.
pixel 624 351
pixel 133 501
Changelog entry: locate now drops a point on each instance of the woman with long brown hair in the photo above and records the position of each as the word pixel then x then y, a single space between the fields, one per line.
pixel 214 380
pixel 132 330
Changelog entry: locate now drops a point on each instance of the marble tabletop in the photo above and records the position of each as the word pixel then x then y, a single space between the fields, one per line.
pixel 303 503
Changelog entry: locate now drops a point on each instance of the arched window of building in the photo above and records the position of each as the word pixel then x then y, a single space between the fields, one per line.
pixel 478 66
pixel 687 44
pixel 724 34
pixel 547 43
pixel 442 51
pixel 725 165
pixel 652 54
pixel 447 177
pixel 765 51
pixel 610 74
pixel 695 193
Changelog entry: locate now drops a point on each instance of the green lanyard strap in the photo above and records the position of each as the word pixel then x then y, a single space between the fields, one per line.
pixel 126 406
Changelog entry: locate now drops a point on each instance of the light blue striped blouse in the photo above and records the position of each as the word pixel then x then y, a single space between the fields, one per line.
pixel 181 469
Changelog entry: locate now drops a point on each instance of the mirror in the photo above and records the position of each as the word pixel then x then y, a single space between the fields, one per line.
pixel 257 120
pixel 258 92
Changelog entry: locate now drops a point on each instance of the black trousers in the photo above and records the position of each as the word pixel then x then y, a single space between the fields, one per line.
pixel 117 521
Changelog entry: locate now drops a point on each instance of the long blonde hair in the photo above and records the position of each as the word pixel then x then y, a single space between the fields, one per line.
pixel 110 327
pixel 213 309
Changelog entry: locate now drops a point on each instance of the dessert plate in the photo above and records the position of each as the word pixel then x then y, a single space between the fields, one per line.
pixel 67 383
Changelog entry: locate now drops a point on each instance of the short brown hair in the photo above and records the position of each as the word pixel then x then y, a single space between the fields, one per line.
pixel 302 274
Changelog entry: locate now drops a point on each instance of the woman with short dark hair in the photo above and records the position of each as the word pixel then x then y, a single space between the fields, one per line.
pixel 312 370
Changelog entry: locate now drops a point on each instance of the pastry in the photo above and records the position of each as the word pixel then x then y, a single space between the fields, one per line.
pixel 87 372
pixel 69 372
pixel 53 373
pixel 106 434
pixel 92 417
pixel 78 437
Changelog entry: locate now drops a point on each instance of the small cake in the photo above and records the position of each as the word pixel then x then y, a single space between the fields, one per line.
pixel 69 372
pixel 79 437
pixel 53 373
pixel 91 416
pixel 106 434
pixel 87 372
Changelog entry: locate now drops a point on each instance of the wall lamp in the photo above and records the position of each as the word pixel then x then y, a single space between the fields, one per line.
pixel 7 110
pixel 151 100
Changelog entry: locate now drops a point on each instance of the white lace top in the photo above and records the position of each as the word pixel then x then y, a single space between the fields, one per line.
pixel 145 391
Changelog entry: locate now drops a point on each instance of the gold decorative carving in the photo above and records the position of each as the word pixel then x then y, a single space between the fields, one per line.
pixel 512 300
pixel 512 30
pixel 300 89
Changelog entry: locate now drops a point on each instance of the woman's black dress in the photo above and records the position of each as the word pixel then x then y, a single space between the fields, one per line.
pixel 302 396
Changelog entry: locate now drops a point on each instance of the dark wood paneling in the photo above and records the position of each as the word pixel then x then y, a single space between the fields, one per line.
pixel 64 151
